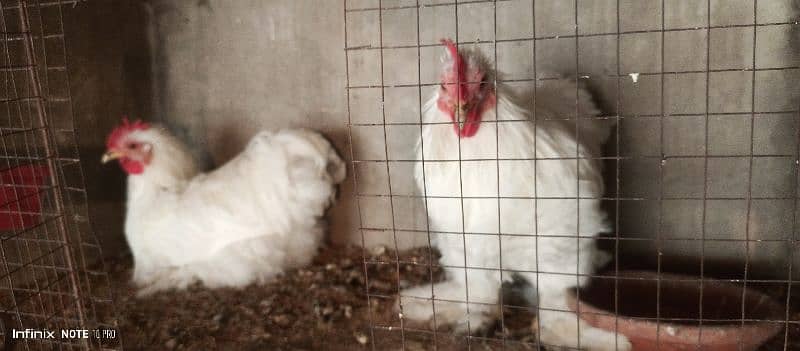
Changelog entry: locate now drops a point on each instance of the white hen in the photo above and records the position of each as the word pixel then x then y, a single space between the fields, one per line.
pixel 244 222
pixel 461 145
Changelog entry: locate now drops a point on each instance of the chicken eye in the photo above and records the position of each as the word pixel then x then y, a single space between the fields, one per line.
pixel 133 146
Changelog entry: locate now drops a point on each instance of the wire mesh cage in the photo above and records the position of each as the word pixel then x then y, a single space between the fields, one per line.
pixel 701 168
pixel 51 273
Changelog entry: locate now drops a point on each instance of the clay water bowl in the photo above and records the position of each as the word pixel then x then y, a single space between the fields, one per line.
pixel 673 323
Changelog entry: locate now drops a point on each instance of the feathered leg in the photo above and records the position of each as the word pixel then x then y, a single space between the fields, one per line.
pixel 559 327
pixel 451 303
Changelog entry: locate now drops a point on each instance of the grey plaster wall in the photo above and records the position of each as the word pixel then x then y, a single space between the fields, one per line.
pixel 685 172
pixel 223 69
pixel 226 69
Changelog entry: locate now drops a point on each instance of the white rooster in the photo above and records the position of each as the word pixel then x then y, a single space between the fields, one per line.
pixel 463 180
pixel 244 222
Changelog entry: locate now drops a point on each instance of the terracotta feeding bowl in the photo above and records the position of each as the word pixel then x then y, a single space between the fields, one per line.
pixel 664 314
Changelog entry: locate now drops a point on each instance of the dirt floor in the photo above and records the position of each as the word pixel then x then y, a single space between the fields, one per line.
pixel 321 307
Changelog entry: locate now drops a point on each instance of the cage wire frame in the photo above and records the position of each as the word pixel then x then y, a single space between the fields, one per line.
pixel 52 276
pixel 352 7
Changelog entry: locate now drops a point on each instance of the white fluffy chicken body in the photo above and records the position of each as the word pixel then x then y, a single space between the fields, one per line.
pixel 497 187
pixel 245 222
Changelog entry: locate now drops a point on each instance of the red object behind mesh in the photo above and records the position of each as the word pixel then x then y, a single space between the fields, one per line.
pixel 20 196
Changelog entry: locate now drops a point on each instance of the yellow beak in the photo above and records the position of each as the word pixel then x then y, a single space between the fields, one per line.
pixel 110 155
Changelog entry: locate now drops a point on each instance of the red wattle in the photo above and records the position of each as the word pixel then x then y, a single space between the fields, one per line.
pixel 131 166
pixel 473 120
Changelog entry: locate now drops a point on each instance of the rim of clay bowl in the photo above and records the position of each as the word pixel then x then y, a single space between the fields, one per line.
pixel 645 333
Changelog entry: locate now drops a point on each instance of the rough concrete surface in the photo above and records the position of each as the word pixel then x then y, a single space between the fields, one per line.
pixel 220 70
pixel 712 122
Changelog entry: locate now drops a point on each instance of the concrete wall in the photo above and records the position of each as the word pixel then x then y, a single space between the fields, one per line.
pixel 226 69
pixel 223 69
pixel 109 60
pixel 664 174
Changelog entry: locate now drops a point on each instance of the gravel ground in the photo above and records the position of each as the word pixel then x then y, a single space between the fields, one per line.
pixel 321 307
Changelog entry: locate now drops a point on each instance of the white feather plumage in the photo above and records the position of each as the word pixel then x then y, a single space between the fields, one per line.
pixel 548 244
pixel 244 222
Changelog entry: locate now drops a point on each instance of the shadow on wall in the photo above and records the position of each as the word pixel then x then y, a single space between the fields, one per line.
pixel 673 200
pixel 223 72
pixel 112 76
pixel 699 205
pixel 228 69
pixel 109 63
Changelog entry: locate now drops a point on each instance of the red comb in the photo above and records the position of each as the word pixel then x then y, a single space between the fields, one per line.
pixel 458 61
pixel 123 130
pixel 458 65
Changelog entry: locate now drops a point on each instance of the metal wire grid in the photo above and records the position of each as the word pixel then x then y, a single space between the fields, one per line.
pixel 51 274
pixel 353 7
